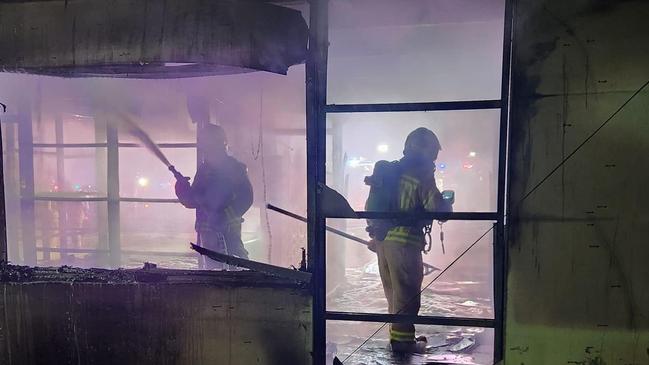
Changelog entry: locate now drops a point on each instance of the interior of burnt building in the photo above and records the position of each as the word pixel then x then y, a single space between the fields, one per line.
pixel 541 108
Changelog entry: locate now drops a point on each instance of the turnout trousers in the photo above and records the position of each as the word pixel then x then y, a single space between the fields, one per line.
pixel 402 273
pixel 226 241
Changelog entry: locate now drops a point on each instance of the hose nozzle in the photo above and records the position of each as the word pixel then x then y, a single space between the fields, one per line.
pixel 177 174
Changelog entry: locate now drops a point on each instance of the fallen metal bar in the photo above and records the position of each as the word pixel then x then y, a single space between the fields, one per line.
pixel 413 107
pixel 428 269
pixel 402 318
pixel 281 272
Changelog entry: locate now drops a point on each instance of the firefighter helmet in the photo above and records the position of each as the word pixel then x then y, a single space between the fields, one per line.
pixel 422 143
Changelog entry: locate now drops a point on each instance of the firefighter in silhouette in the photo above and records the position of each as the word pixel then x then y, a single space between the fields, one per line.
pixel 221 193
pixel 407 186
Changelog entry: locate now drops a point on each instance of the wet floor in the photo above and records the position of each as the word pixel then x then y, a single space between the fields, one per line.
pixel 362 292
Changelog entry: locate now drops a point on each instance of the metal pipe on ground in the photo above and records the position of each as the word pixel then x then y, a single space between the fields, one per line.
pixel 281 272
pixel 428 269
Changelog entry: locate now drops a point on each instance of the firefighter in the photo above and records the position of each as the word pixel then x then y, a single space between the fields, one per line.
pixel 399 245
pixel 221 193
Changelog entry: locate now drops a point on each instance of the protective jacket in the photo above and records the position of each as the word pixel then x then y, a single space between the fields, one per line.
pixel 220 194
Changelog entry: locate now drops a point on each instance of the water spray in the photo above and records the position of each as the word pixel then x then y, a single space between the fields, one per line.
pixel 148 143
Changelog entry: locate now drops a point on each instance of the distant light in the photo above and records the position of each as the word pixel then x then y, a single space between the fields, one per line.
pixel 472 154
pixel 77 187
pixel 383 148
pixel 143 181
pixel 467 166
pixel 354 162
pixel 442 166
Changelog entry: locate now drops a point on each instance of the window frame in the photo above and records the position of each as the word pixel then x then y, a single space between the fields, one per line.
pixel 317 111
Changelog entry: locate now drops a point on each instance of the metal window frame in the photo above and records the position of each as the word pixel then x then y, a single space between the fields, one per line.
pixel 317 110
pixel 113 199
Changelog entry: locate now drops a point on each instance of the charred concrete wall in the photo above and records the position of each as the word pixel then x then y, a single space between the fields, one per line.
pixel 578 288
pixel 125 38
pixel 234 318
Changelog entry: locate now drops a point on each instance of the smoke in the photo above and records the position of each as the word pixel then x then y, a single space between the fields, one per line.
pixel 108 100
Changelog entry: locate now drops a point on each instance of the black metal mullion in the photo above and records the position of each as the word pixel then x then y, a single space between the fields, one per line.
pixel 149 200
pixel 160 145
pixel 414 107
pixel 121 145
pixel 4 249
pixel 401 318
pixel 500 243
pixel 114 236
pixel 459 216
pixel 69 145
pixel 316 100
pixel 69 199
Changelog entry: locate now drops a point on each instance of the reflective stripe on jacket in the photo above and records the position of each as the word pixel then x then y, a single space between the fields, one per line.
pixel 413 197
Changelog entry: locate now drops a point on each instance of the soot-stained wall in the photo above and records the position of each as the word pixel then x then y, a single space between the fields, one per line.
pixel 578 288
pixel 176 318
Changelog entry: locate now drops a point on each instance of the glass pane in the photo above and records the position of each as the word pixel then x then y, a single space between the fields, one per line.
pixel 68 233
pixel 466 164
pixel 142 175
pixel 263 115
pixel 464 290
pixel 82 175
pixel 414 51
pixel 76 128
pixel 149 228
pixel 445 344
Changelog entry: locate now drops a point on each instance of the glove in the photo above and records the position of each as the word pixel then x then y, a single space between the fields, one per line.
pixel 371 245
